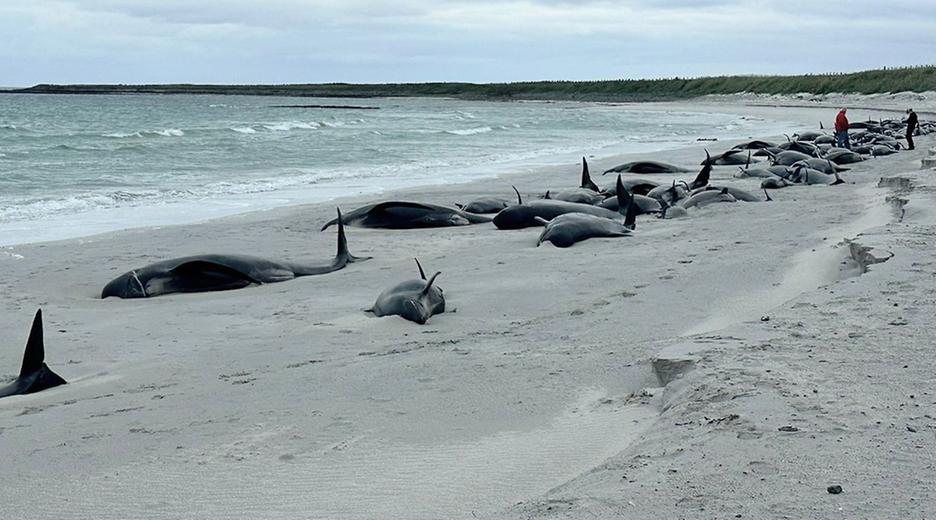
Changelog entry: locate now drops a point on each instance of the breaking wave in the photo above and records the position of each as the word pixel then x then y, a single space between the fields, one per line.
pixel 470 131
pixel 166 132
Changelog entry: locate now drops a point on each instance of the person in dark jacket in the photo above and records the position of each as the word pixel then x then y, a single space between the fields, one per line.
pixel 911 127
pixel 841 130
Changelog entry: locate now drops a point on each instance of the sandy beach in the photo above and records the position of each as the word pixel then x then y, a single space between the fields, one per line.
pixel 732 364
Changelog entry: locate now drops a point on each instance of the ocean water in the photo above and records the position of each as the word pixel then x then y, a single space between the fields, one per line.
pixel 72 166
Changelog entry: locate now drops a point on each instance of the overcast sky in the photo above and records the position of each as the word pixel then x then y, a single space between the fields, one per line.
pixel 370 41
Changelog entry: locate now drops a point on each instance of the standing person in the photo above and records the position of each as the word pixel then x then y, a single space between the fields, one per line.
pixel 841 130
pixel 911 127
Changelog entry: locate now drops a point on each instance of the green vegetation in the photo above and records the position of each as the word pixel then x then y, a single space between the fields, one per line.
pixel 915 79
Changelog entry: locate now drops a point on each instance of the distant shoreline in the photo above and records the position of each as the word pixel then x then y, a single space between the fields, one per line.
pixel 881 81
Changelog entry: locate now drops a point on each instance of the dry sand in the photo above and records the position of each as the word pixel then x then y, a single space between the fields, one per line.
pixel 628 377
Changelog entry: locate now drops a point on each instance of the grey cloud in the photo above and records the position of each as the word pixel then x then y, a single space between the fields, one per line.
pixel 450 40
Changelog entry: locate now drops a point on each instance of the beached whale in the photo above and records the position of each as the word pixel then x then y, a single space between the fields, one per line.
pixel 754 145
pixel 809 135
pixel 789 157
pixel 708 197
pixel 809 176
pixel 737 193
pixel 842 156
pixel 774 183
pixel 646 167
pixel 636 186
pixel 483 205
pixel 733 157
pixel 587 192
pixel 566 230
pixel 218 272
pixel 823 165
pixel 34 375
pixel 670 194
pixel 643 204
pixel 524 215
pixel 800 146
pixel 415 300
pixel 407 215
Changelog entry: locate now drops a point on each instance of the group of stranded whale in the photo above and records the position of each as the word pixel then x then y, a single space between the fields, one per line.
pixel 567 217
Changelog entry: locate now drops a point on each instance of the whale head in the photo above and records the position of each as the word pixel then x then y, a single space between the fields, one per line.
pixel 127 285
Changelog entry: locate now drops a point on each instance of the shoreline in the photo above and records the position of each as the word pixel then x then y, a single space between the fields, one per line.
pixel 239 206
pixel 264 393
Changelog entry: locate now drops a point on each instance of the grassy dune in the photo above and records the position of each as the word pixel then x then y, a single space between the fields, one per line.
pixel 915 79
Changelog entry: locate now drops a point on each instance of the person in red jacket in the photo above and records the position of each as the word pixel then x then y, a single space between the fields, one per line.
pixel 841 130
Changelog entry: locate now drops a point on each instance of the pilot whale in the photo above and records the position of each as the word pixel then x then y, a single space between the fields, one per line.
pixel 219 272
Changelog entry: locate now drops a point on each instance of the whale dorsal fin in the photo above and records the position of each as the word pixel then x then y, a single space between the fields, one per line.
pixel 624 197
pixel 34 356
pixel 547 195
pixel 429 283
pixel 422 274
pixel 343 244
pixel 519 199
pixel 586 178
pixel 630 215
pixel 704 175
